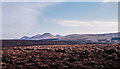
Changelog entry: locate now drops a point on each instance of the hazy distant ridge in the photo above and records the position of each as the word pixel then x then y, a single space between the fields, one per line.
pixel 104 38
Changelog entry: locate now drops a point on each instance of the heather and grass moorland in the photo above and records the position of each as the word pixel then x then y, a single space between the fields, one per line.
pixel 77 56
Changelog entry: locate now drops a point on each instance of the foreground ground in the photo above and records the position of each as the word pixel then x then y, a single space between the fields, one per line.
pixel 82 56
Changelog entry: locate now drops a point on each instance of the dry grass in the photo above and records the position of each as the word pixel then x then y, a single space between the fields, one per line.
pixel 82 56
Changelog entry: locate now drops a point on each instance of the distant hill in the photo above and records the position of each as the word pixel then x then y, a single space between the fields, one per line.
pixel 41 37
pixel 24 38
pixel 87 38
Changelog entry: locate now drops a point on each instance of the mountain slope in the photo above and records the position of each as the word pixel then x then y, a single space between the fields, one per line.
pixel 24 38
pixel 109 37
pixel 43 36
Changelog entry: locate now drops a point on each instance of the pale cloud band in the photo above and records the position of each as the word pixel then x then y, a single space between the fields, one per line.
pixel 77 23
pixel 60 0
pixel 111 0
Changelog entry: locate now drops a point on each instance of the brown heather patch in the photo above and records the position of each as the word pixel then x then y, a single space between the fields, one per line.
pixel 79 56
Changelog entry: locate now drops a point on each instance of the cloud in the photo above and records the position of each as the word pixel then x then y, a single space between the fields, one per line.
pixel 88 27
pixel 111 0
pixel 19 18
pixel 59 0
pixel 106 24
pixel 73 23
pixel 34 0
pixel 77 23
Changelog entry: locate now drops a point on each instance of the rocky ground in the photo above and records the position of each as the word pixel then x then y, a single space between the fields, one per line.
pixel 82 56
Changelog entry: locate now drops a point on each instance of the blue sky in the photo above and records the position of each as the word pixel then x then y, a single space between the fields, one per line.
pixel 31 18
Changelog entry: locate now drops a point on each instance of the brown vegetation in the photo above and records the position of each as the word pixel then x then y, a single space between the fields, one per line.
pixel 82 56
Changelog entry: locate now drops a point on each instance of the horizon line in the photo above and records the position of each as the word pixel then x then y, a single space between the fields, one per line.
pixel 62 35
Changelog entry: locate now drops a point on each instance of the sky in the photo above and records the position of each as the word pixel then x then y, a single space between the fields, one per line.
pixel 32 18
